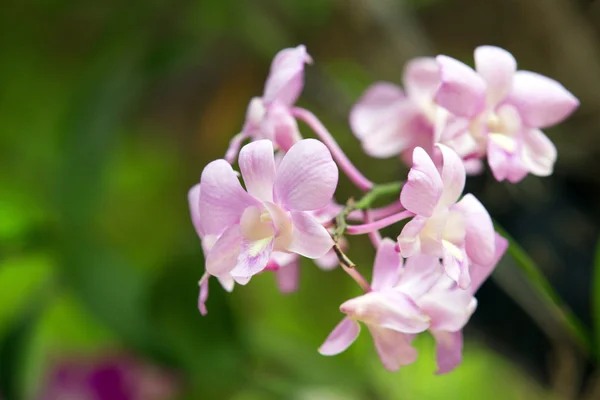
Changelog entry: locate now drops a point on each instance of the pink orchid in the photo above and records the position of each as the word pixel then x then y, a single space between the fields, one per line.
pixel 269 116
pixel 502 110
pixel 273 215
pixel 443 228
pixel 388 313
pixel 389 122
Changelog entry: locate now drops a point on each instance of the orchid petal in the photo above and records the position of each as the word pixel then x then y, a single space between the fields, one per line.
pixel 307 177
pixel 538 153
pixel 453 175
pixel 226 282
pixel 280 127
pixel 504 164
pixel 222 257
pixel 287 277
pixel 479 273
pixel 286 78
pixel 419 275
pixel 448 306
pixel 422 78
pixel 497 67
pixel 342 336
pixel 456 264
pixel 378 105
pixel 448 350
pixel 393 348
pixel 409 241
pixel 386 269
pixel 462 91
pixel 194 203
pixel 309 238
pixel 480 240
pixel 257 165
pixel 424 186
pixel 253 258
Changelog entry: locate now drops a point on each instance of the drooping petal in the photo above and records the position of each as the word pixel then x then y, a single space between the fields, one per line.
pixel 424 186
pixel 387 309
pixel 386 269
pixel 393 348
pixel 542 102
pixel 286 78
pixel 422 78
pixel 497 67
pixel 538 153
pixel 419 275
pixel 448 306
pixel 253 258
pixel 309 238
pixel 280 127
pixel 480 241
pixel 287 277
pixel 462 91
pixel 223 199
pixel 257 165
pixel 342 336
pixel 222 257
pixel 203 296
pixel 307 177
pixel 448 352
pixel 479 273
pixel 194 203
pixel 453 175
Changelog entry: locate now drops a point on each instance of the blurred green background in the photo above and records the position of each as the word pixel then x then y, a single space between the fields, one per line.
pixel 108 112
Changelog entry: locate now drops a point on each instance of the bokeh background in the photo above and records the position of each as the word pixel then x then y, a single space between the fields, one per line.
pixel 108 112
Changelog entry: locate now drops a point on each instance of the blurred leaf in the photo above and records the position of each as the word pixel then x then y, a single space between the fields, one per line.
pixel 596 301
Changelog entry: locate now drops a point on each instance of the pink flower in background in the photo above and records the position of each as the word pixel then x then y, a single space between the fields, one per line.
pixel 389 121
pixel 443 228
pixel 273 214
pixel 388 313
pixel 269 117
pixel 502 110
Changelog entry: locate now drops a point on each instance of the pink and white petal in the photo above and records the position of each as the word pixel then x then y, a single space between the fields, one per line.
pixel 504 165
pixel 222 257
pixel 342 336
pixel 541 101
pixel 227 282
pixel 306 178
pixel 453 175
pixel 387 266
pixel 448 352
pixel 194 203
pixel 254 117
pixel 282 222
pixel 393 348
pixel 422 78
pixel 203 296
pixel 462 91
pixel 223 199
pixel 480 240
pixel 424 186
pixel 479 273
pixel 288 277
pixel 419 275
pixel 497 67
pixel 456 265
pixel 286 77
pixel 448 306
pixel 328 262
pixel 309 238
pixel 257 165
pixel 252 227
pixel 281 127
pixel 254 257
pixel 376 108
pixel 409 241
pixel 389 309
pixel 538 153
pixel 473 166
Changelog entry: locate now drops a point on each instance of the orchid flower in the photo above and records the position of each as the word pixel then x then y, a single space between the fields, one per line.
pixel 442 227
pixel 502 111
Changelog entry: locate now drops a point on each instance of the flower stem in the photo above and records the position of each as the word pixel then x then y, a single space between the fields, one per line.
pixel 380 224
pixel 377 213
pixel 350 268
pixel 375 236
pixel 337 153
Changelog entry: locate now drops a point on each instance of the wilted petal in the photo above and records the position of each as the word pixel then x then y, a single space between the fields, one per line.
pixel 309 238
pixel 342 336
pixel 422 78
pixel 257 165
pixel 419 275
pixel 424 186
pixel 538 153
pixel 387 309
pixel 479 273
pixel 281 127
pixel 222 257
pixel 253 258
pixel 203 296
pixel 448 350
pixel 386 269
pixel 462 91
pixel 286 78
pixel 307 177
pixel 287 277
pixel 497 67
pixel 479 239
pixel 223 199
pixel 393 348
pixel 194 203
pixel 542 102
pixel 453 175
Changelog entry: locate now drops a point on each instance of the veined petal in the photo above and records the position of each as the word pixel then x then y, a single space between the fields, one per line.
pixel 424 186
pixel 541 101
pixel 387 309
pixel 307 177
pixel 286 78
pixel 422 78
pixel 388 263
pixel 253 258
pixel 342 336
pixel 288 276
pixel 223 199
pixel 309 238
pixel 194 203
pixel 419 275
pixel 393 348
pixel 480 242
pixel 497 67
pixel 462 91
pixel 479 273
pixel 257 165
pixel 222 257
pixel 448 350
pixel 538 153
pixel 453 175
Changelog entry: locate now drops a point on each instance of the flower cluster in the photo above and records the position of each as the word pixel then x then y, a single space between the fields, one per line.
pixel 450 118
